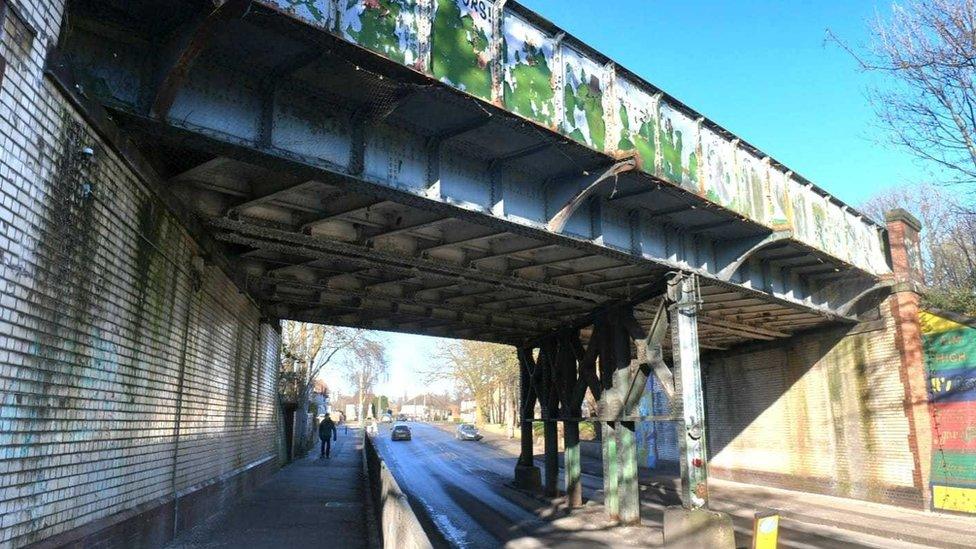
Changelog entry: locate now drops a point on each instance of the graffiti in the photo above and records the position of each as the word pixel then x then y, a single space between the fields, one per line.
pixel 718 181
pixel 638 119
pixel 528 80
pixel 679 144
pixel 657 441
pixel 949 349
pixel 388 27
pixel 461 45
pixel 583 100
pixel 751 175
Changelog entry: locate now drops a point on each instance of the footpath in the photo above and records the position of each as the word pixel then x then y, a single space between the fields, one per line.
pixel 311 502
pixel 800 509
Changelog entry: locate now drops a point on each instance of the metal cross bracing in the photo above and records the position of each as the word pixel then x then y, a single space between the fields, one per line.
pixel 558 370
pixel 343 189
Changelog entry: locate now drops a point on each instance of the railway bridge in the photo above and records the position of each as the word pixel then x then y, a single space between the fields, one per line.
pixel 181 175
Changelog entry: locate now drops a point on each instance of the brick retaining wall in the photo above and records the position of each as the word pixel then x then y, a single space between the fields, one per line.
pixel 131 372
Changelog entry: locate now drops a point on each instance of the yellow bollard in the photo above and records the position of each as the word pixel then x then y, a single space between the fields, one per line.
pixel 765 530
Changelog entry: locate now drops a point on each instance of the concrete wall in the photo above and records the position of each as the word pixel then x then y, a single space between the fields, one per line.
pixel 398 525
pixel 137 383
pixel 821 412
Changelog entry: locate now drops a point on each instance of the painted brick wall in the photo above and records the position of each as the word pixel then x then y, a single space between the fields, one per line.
pixel 127 377
pixel 821 412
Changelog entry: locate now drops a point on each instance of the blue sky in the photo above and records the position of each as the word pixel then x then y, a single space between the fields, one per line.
pixel 759 68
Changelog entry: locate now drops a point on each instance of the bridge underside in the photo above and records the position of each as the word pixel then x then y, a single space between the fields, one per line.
pixel 341 188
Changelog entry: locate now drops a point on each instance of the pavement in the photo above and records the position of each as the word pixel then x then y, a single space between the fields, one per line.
pixel 810 520
pixel 311 502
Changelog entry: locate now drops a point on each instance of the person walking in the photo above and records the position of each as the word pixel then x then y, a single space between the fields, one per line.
pixel 327 433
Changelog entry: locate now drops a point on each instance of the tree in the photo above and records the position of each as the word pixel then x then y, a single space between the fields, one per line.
pixel 364 365
pixel 927 53
pixel 306 349
pixel 487 372
pixel 948 242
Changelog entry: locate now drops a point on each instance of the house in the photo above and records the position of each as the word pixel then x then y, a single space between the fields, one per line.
pixel 428 407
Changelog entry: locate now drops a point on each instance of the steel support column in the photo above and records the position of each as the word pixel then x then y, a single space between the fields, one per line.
pixel 551 433
pixel 689 403
pixel 571 462
pixel 548 364
pixel 527 475
pixel 628 488
pixel 611 498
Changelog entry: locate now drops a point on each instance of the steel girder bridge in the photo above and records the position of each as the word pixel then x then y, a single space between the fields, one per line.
pixel 465 169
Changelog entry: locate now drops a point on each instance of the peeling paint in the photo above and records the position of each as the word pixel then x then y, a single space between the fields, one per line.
pixel 461 45
pixel 316 12
pixel 638 121
pixel 679 148
pixel 583 89
pixel 528 77
pixel 388 27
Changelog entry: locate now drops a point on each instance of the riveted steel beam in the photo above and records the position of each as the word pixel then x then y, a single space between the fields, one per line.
pixel 309 246
pixel 198 39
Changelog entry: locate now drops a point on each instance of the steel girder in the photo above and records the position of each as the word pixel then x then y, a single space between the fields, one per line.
pixel 301 123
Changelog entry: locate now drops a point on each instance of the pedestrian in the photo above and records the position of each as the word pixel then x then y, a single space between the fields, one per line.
pixel 327 433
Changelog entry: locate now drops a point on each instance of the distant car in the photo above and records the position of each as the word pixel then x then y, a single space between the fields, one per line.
pixel 400 432
pixel 387 418
pixel 401 417
pixel 467 431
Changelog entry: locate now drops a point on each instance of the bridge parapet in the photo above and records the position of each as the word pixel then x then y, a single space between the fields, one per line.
pixel 502 53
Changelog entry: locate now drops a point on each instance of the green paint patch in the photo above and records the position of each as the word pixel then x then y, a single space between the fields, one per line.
pixel 672 145
pixel 384 26
pixel 528 90
pixel 639 139
pixel 585 98
pixel 954 468
pixel 460 50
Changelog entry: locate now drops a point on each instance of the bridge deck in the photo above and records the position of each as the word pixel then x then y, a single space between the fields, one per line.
pixel 348 189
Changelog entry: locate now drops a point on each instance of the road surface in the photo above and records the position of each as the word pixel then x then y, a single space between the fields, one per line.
pixel 460 489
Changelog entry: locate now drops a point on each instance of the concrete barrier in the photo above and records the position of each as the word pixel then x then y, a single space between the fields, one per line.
pixel 398 525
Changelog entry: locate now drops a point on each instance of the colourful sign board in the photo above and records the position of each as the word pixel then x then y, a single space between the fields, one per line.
pixel 950 360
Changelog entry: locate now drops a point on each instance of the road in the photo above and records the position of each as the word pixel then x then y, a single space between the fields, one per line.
pixel 460 489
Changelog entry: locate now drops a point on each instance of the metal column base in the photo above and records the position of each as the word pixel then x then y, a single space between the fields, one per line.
pixel 696 528
pixel 528 477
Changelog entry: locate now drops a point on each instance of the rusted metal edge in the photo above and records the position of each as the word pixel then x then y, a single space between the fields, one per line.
pixel 199 41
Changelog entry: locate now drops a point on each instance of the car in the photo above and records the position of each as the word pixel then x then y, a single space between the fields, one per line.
pixel 467 431
pixel 402 417
pixel 400 432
